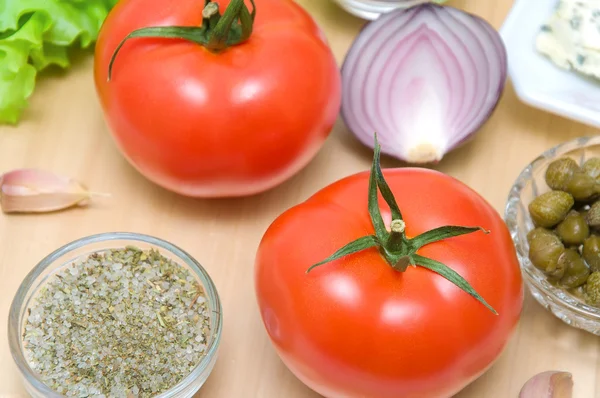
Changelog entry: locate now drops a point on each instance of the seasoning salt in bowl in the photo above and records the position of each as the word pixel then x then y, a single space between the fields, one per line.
pixel 119 315
pixel 529 185
pixel 372 9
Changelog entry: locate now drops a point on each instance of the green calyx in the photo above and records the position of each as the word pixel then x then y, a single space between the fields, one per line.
pixel 399 251
pixel 217 33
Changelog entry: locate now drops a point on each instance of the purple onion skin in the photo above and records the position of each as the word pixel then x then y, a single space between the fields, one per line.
pixel 490 37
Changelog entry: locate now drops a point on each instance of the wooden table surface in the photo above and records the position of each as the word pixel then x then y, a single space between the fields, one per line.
pixel 63 131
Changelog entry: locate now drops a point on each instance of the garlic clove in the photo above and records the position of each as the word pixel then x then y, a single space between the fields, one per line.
pixel 39 191
pixel 550 384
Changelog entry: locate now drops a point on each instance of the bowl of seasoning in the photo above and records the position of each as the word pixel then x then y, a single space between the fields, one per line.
pixel 553 214
pixel 115 315
pixel 372 9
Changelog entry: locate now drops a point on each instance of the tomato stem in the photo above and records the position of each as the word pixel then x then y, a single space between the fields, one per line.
pixel 398 226
pixel 402 263
pixel 217 33
pixel 399 251
pixel 396 242
pixel 234 27
pixel 210 15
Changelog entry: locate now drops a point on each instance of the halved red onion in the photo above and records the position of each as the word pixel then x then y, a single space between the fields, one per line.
pixel 425 79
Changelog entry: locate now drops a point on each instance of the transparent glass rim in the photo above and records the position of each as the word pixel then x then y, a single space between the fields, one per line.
pixel 534 276
pixel 372 9
pixel 14 326
pixel 389 3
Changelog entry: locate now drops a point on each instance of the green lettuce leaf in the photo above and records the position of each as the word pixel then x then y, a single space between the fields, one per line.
pixel 35 34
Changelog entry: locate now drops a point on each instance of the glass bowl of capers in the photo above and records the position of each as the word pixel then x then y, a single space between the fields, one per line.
pixel 553 214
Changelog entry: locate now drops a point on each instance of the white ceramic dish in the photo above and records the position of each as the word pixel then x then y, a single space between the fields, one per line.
pixel 537 81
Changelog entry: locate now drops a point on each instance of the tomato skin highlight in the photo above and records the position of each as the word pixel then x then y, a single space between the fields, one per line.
pixel 226 124
pixel 356 327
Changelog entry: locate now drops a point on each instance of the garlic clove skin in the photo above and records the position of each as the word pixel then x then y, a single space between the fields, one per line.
pixel 38 191
pixel 550 384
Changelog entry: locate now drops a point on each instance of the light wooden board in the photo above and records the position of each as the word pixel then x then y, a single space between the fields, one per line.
pixel 64 131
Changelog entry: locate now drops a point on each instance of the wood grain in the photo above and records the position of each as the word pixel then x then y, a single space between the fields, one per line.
pixel 63 131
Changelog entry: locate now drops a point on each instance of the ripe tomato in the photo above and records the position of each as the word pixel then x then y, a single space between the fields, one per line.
pixel 356 326
pixel 212 124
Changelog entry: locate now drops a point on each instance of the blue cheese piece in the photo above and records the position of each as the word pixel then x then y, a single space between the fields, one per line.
pixel 571 36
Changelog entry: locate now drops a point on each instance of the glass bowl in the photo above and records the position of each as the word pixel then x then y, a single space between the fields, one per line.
pixel 372 9
pixel 81 248
pixel 530 184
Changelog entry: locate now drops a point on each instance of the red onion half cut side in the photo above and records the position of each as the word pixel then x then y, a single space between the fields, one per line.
pixel 425 79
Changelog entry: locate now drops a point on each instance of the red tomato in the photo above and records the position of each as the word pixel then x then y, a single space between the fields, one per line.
pixel 355 327
pixel 210 124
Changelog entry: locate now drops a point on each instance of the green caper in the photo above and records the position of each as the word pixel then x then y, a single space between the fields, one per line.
pixel 591 252
pixel 559 172
pixel 593 215
pixel 550 208
pixel 578 292
pixel 573 230
pixel 534 233
pixel 576 271
pixel 582 186
pixel 592 167
pixel 544 251
pixel 584 212
pixel 592 289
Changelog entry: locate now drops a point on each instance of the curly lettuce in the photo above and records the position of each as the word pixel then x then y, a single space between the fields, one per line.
pixel 35 34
